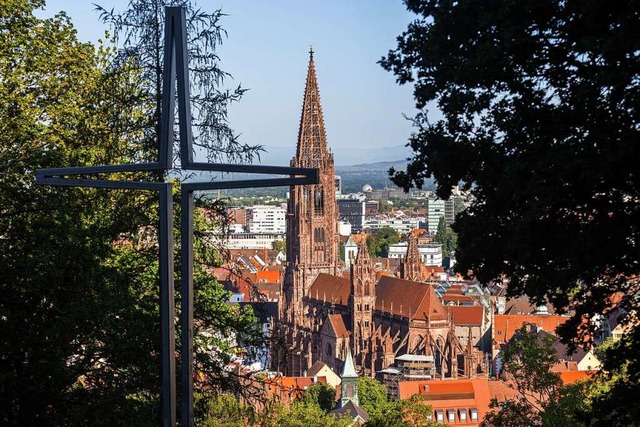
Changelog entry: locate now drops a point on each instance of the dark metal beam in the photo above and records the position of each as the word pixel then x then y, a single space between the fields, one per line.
pixel 186 315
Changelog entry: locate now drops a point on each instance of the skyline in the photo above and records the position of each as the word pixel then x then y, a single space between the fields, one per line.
pixel 267 51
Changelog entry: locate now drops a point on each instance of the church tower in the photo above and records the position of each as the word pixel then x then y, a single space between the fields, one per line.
pixel 312 227
pixel 362 301
pixel 412 266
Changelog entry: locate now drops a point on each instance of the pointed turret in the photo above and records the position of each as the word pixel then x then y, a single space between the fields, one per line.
pixel 349 385
pixel 362 302
pixel 412 266
pixel 312 138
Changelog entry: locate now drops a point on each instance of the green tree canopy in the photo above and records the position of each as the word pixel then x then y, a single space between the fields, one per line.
pixel 447 237
pixel 79 317
pixel 322 395
pixel 539 103
pixel 378 242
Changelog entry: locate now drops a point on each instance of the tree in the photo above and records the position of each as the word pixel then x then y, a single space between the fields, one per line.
pixel 539 106
pixel 542 399
pixel 378 242
pixel 447 237
pixel 383 412
pixel 141 30
pixel 79 318
pixel 322 395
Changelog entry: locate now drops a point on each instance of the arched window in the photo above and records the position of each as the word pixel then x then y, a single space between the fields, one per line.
pixel 329 349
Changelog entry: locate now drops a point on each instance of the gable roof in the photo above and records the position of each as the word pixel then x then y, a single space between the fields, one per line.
pixel 352 410
pixel 336 323
pixel 315 368
pixel 410 299
pixel 329 288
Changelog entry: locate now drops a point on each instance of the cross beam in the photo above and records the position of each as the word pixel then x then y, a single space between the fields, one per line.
pixel 175 69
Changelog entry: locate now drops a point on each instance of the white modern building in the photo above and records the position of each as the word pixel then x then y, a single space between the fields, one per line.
pixel 400 225
pixel 267 219
pixel 431 253
pixel 252 240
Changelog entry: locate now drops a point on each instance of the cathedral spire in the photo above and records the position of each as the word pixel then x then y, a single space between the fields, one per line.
pixel 312 138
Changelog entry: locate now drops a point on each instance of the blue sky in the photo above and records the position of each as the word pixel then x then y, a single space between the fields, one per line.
pixel 267 52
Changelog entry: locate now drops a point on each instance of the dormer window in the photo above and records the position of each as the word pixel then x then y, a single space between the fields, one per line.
pixel 474 414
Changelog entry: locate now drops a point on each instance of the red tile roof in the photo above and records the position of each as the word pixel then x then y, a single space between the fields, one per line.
pixel 463 315
pixel 505 325
pixel 269 276
pixel 410 299
pixel 570 377
pixel 332 289
pixel 337 323
pixel 458 395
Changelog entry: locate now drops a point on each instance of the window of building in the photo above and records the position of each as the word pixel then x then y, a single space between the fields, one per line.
pixel 439 415
pixel 451 415
pixel 462 414
pixel 474 414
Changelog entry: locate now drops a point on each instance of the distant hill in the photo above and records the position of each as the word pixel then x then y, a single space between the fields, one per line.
pixel 280 156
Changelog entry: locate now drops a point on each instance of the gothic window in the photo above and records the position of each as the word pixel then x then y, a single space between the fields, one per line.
pixel 318 203
pixel 359 307
pixel 366 307
pixel 367 288
pixel 329 349
pixel 318 235
pixel 366 323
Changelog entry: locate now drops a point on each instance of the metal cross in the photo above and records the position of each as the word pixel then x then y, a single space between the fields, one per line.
pixel 176 68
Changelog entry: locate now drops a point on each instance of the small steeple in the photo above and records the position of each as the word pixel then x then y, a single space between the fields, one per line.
pixel 349 370
pixel 349 385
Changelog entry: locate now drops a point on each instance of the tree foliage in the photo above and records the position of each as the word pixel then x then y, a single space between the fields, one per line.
pixel 542 400
pixel 447 237
pixel 384 412
pixel 79 318
pixel 539 103
pixel 140 30
pixel 378 242
pixel 322 395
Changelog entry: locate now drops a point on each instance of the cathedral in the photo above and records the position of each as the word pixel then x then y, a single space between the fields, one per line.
pixel 325 311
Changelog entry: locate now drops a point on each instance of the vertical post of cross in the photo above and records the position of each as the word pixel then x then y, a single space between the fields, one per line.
pixel 186 315
pixel 167 315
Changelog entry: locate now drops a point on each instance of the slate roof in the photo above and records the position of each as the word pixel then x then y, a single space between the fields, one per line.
pixel 349 371
pixel 352 410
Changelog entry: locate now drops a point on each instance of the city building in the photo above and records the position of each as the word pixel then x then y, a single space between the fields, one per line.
pixel 400 225
pixel 267 219
pixel 252 240
pixel 352 211
pixel 430 253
